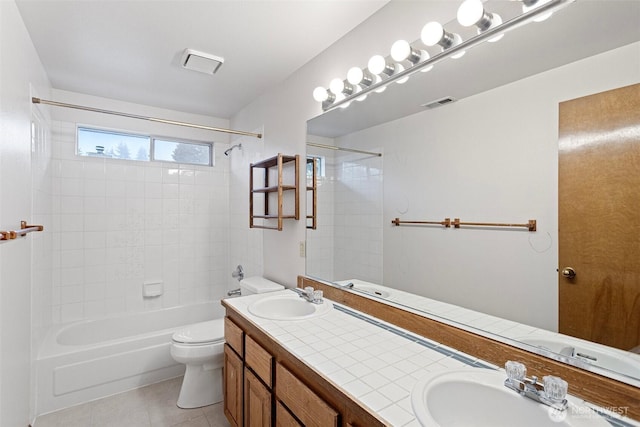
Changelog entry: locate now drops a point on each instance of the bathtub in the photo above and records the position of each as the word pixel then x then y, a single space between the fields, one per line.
pixel 90 359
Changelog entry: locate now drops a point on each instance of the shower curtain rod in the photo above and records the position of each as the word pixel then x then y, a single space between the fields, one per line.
pixel 150 119
pixel 333 147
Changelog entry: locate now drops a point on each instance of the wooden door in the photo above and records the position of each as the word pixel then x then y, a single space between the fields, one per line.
pixel 599 217
pixel 233 381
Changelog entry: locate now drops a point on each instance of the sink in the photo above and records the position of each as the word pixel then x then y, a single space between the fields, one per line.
pixel 288 307
pixel 586 352
pixel 477 397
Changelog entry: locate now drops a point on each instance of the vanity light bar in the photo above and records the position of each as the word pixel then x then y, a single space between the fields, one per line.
pixel 331 102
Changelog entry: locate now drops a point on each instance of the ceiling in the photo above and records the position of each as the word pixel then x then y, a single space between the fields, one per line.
pixel 131 50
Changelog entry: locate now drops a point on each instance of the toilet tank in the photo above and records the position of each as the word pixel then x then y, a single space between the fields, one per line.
pixel 258 285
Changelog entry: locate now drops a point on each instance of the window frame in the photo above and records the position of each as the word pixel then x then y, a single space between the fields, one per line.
pixel 152 140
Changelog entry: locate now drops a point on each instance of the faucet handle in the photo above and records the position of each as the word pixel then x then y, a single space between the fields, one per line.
pixel 516 371
pixel 555 388
pixel 309 290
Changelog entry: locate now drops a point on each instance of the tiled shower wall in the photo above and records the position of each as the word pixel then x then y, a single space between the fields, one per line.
pixel 348 241
pixel 358 218
pixel 118 224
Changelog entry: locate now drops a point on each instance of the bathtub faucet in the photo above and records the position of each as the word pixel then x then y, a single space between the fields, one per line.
pixel 234 293
pixel 238 273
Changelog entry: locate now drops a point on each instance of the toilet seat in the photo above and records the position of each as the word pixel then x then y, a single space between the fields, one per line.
pixel 208 332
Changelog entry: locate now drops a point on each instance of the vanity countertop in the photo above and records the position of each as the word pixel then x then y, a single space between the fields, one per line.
pixel 374 361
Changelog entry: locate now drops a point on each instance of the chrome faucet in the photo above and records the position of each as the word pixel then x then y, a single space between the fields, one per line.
pixel 552 392
pixel 312 295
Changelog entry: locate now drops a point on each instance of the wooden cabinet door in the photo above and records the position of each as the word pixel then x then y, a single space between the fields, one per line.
pixel 233 381
pixel 257 402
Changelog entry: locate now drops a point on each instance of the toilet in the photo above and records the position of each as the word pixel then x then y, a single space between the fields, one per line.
pixel 200 347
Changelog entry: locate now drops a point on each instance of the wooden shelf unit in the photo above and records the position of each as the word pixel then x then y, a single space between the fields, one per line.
pixel 312 187
pixel 278 188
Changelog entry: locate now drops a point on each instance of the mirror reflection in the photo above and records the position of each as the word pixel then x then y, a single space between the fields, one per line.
pixel 491 157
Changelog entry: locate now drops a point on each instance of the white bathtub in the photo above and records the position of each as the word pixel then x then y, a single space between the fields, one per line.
pixel 90 359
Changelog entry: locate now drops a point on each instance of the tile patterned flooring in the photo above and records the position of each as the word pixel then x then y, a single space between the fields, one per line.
pixel 150 406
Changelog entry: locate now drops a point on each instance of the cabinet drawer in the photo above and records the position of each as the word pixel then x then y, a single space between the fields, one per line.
pixel 307 406
pixel 258 359
pixel 284 417
pixel 233 335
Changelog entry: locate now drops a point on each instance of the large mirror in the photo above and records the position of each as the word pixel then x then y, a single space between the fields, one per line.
pixel 491 156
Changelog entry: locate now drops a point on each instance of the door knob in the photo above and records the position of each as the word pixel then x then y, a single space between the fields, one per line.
pixel 568 272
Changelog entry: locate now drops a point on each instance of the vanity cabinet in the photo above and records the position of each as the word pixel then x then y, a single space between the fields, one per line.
pixel 264 385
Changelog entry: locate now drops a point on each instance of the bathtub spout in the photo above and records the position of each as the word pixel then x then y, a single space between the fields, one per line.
pixel 234 293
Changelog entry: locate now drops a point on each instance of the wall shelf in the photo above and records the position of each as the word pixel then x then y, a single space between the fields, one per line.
pixel 312 192
pixel 274 169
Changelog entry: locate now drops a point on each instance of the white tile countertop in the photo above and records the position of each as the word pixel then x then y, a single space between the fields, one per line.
pixel 375 362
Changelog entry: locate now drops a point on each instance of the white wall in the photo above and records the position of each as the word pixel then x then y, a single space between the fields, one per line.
pixel 488 158
pixel 20 68
pixel 118 224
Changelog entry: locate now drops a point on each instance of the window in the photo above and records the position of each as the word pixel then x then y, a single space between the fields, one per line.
pixel 320 167
pixel 128 146
pixel 182 152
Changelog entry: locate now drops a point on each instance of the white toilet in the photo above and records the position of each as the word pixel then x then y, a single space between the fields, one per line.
pixel 201 348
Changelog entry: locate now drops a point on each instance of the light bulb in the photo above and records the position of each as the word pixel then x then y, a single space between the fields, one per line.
pixel 432 33
pixel 527 6
pixel 358 76
pixel 400 50
pixel 355 75
pixel 336 86
pixel 320 94
pixel 470 12
pixel 377 64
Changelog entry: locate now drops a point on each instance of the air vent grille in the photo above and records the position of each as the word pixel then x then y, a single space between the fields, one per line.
pixel 439 102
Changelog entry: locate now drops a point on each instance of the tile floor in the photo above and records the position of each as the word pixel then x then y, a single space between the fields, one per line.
pixel 150 406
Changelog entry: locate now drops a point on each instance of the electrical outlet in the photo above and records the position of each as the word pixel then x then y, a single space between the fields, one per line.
pixel 303 251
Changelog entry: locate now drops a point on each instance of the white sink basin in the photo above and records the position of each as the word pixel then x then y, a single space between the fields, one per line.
pixel 477 397
pixel 288 307
pixel 586 352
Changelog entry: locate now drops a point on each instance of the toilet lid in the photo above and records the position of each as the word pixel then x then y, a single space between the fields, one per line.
pixel 203 332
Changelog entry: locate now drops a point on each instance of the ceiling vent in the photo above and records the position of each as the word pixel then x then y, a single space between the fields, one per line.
pixel 440 102
pixel 200 61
